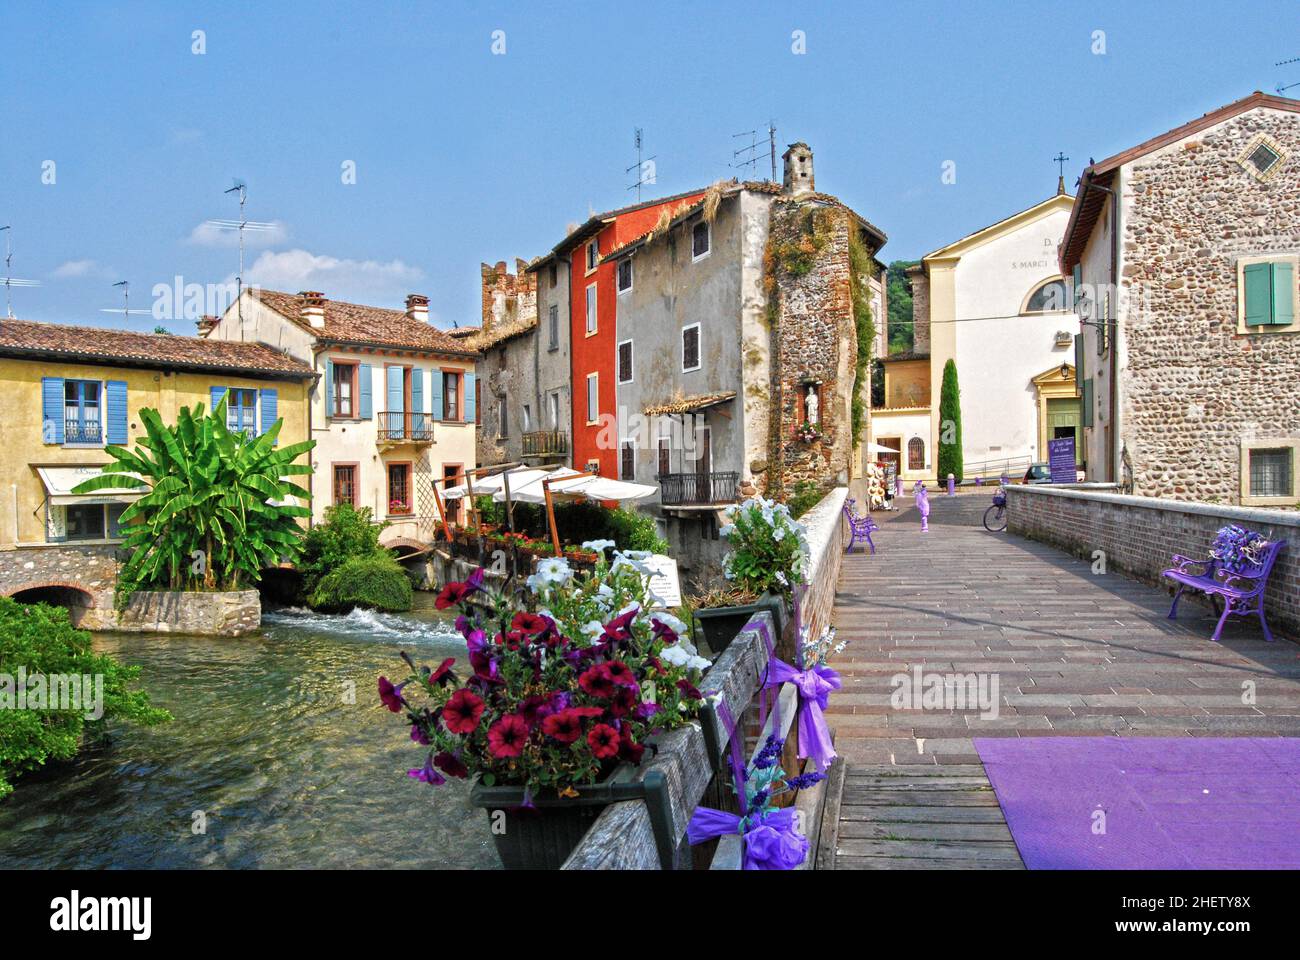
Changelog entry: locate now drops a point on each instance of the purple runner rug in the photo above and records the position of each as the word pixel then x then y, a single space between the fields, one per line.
pixel 1120 803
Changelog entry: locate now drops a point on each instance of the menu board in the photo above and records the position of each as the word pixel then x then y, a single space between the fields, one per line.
pixel 1060 457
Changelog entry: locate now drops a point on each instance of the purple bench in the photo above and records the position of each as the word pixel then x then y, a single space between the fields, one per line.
pixel 1241 591
pixel 859 527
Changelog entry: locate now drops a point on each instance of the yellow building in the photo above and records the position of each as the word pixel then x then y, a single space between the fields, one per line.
pixel 68 391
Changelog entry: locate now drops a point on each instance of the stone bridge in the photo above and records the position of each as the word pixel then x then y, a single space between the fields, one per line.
pixel 81 578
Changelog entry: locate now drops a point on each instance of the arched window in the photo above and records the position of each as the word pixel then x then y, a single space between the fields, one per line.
pixel 916 454
pixel 1048 297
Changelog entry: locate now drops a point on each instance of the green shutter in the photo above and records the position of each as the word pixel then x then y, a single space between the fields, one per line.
pixel 1283 293
pixel 1087 402
pixel 1079 357
pixel 1257 278
pixel 1078 282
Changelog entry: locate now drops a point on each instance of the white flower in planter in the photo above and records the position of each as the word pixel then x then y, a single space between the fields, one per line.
pixel 593 629
pixel 600 546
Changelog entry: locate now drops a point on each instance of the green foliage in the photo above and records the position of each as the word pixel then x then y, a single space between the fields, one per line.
pixel 899 323
pixel 578 523
pixel 769 549
pixel 861 268
pixel 807 494
pixel 950 457
pixel 344 533
pixel 207 520
pixel 377 582
pixel 42 640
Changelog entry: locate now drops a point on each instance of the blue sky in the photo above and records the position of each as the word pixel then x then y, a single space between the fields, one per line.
pixel 463 155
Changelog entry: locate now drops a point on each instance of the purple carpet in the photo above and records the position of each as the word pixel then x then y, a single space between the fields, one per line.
pixel 1168 803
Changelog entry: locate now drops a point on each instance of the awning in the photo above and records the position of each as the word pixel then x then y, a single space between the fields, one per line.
pixel 60 481
pixel 483 486
pixel 873 447
pixel 529 489
pixel 581 486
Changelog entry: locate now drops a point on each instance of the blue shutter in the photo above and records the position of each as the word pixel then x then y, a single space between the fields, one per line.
pixel 395 400
pixel 417 390
pixel 329 388
pixel 270 403
pixel 51 409
pixel 365 380
pixel 435 395
pixel 115 410
pixel 1258 295
pixel 471 411
pixel 1283 293
pixel 217 393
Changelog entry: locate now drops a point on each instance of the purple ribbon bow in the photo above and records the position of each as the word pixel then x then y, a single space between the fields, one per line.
pixel 814 688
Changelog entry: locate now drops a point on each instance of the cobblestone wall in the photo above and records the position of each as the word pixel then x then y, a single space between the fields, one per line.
pixel 1195 388
pixel 88 569
pixel 1140 534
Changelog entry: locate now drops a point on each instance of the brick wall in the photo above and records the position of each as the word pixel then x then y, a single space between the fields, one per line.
pixel 1140 534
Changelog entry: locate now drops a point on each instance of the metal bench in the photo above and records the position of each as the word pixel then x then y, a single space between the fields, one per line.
pixel 860 528
pixel 1241 590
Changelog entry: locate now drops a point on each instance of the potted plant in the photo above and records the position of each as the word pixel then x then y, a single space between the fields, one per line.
pixel 562 684
pixel 767 560
pixel 808 432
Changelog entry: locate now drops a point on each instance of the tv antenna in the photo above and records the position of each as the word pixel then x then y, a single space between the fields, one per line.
pixel 11 281
pixel 639 167
pixel 242 224
pixel 1282 63
pixel 126 310
pixel 747 154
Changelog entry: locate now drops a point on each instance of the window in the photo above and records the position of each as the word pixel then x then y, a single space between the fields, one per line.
pixel 454 475
pixel 627 461
pixel 553 328
pixel 625 362
pixel 399 488
pixel 528 418
pixel 593 398
pixel 81 413
pixel 593 255
pixel 345 381
pixel 916 454
pixel 85 521
pixel 700 240
pixel 451 394
pixel 241 410
pixel 691 348
pixel 553 274
pixel 555 411
pixel 625 275
pixel 1266 294
pixel 1268 470
pixel 503 421
pixel 665 456
pixel 591 309
pixel 1262 157
pixel 345 483
pixel 1047 297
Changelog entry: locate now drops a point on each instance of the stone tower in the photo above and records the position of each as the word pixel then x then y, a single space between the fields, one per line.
pixel 798 177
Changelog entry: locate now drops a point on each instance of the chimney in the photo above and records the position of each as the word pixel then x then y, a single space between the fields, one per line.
pixel 206 324
pixel 313 308
pixel 798 177
pixel 417 308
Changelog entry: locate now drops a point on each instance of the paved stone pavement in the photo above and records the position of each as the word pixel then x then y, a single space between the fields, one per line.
pixel 1074 654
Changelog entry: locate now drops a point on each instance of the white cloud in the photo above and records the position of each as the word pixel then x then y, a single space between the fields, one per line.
pixel 368 281
pixel 208 234
pixel 79 268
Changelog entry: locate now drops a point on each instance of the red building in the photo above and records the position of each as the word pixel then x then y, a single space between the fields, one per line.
pixel 593 299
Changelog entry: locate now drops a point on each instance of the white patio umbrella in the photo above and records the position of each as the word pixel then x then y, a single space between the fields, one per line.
pixel 529 489
pixel 583 485
pixel 519 476
pixel 873 447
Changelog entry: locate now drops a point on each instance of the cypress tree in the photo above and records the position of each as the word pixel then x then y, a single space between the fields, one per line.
pixel 950 458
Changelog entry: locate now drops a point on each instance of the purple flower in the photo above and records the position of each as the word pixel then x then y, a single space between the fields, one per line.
pixel 427 774
pixel 646 709
pixel 390 695
pixel 804 781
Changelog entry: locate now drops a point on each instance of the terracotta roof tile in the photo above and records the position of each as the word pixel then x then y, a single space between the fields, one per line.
pixel 105 345
pixel 690 404
pixel 487 339
pixel 357 323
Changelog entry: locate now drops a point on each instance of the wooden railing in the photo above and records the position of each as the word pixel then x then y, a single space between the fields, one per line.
pixel 399 425
pixel 690 489
pixel 546 443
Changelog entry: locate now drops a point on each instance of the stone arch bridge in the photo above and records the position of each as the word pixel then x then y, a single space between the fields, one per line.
pixel 79 577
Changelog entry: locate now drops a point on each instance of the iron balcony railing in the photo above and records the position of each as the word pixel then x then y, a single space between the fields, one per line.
pixel 398 425
pixel 82 431
pixel 546 443
pixel 683 489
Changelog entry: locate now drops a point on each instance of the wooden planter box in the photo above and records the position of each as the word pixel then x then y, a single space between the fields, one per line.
pixel 720 625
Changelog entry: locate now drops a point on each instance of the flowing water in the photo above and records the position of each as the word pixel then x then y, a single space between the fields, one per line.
pixel 266 749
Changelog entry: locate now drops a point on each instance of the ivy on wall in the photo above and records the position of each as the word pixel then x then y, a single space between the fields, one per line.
pixel 860 270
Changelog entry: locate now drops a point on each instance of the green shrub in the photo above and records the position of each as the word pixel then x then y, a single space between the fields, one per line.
pixel 377 582
pixel 950 455
pixel 346 532
pixel 807 494
pixel 42 640
pixel 580 522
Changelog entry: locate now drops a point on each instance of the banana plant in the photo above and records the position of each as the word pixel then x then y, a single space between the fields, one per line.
pixel 217 504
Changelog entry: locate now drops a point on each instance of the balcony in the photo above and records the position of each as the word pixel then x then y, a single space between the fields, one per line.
pixel 82 431
pixel 697 489
pixel 546 443
pixel 399 427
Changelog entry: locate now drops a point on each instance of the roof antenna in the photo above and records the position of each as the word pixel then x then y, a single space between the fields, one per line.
pixel 241 225
pixel 640 168
pixel 746 155
pixel 9 280
pixel 1282 63
pixel 126 310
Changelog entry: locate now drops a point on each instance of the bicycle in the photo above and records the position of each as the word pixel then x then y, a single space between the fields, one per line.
pixel 995 517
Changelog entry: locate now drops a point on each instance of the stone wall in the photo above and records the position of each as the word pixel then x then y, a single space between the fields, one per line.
pixel 1195 388
pixel 507 297
pixel 84 576
pixel 825 523
pixel 227 614
pixel 920 310
pixel 1139 535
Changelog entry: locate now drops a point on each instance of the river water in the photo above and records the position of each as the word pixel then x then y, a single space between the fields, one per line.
pixel 264 752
